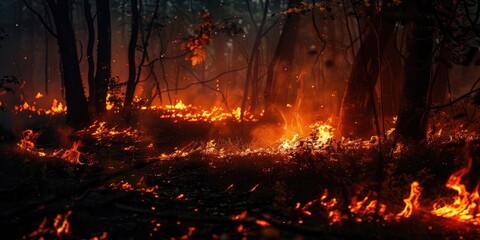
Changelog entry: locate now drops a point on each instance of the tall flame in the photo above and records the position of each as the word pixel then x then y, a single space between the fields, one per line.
pixel 465 204
pixel 412 201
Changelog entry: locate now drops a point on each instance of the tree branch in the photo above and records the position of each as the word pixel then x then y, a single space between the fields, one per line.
pixel 466 95
pixel 49 29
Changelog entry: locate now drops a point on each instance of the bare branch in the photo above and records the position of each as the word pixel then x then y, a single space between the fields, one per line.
pixel 49 29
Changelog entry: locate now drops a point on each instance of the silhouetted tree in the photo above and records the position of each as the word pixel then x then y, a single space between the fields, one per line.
pixel 413 114
pixel 356 117
pixel 280 73
pixel 104 52
pixel 77 106
pixel 131 85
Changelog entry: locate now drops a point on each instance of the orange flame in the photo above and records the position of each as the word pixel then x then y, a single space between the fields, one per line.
pixel 27 141
pixel 412 201
pixel 465 204
pixel 61 224
pixel 73 155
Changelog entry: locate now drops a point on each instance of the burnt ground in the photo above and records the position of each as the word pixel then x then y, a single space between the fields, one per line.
pixel 202 195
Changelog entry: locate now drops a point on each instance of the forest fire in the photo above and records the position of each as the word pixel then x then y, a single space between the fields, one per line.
pixel 291 119
pixel 56 108
pixel 190 113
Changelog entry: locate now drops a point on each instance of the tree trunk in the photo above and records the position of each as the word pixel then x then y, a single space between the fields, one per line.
pixel 131 85
pixel 90 61
pixel 77 107
pixel 357 106
pixel 413 114
pixel 104 55
pixel 280 70
pixel 253 55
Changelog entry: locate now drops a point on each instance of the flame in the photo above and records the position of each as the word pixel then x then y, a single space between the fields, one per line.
pixel 465 204
pixel 57 107
pixel 321 135
pixel 108 103
pixel 73 155
pixel 61 224
pixel 412 201
pixel 27 141
pixel 60 227
pixel 262 223
pixel 239 217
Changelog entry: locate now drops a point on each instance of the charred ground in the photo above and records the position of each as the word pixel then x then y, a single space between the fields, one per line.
pixel 172 181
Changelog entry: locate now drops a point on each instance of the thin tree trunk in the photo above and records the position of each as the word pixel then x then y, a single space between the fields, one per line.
pixel 45 66
pixel 104 55
pixel 90 61
pixel 253 55
pixel 131 85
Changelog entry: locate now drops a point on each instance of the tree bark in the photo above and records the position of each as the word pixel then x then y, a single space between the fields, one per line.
pixel 77 107
pixel 413 114
pixel 357 106
pixel 104 55
pixel 279 73
pixel 90 61
pixel 131 85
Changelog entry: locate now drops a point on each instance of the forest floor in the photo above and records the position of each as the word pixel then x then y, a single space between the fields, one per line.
pixel 180 180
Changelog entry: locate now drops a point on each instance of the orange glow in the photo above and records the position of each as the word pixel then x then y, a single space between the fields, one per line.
pixel 73 155
pixel 464 206
pixel 56 108
pixel 61 224
pixel 27 141
pixel 254 188
pixel 240 216
pixel 109 104
pixel 262 223
pixel 411 202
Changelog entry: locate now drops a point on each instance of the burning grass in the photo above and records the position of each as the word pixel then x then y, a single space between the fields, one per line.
pixel 211 180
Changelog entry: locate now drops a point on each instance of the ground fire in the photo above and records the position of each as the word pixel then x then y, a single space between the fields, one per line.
pixel 291 119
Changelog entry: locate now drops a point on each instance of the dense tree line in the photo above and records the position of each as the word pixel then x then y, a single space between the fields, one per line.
pixel 260 55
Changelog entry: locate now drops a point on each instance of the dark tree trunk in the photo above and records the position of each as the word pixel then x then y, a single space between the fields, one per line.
pixel 131 85
pixel 280 70
pixel 90 61
pixel 251 77
pixel 357 108
pixel 104 55
pixel 392 80
pixel 77 106
pixel 413 114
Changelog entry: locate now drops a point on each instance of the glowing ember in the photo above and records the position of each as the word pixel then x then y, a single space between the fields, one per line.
pixel 73 155
pixel 412 201
pixel 60 227
pixel 464 206
pixel 27 141
pixel 61 224
pixel 57 107
pixel 262 223
pixel 127 187
pixel 39 95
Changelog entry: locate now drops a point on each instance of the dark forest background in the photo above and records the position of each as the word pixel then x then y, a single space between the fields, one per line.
pixel 358 62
